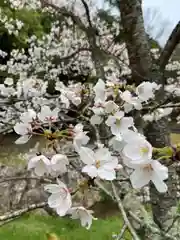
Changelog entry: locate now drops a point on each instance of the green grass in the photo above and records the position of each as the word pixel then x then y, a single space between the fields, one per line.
pixel 33 227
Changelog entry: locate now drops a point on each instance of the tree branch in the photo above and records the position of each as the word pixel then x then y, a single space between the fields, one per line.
pixel 126 220
pixel 87 12
pixel 25 178
pixel 22 211
pixel 170 46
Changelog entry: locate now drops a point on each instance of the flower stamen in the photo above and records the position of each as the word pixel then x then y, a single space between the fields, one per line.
pixel 97 164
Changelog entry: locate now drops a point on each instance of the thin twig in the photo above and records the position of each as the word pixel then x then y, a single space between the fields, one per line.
pixel 25 178
pixel 154 230
pixel 121 234
pixel 123 212
pixel 22 211
pixel 173 222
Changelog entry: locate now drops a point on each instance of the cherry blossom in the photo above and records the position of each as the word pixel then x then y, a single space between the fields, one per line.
pixel 40 164
pixel 153 171
pixel 28 117
pixel 137 151
pixel 46 115
pixel 119 123
pixel 60 198
pixel 99 90
pixel 59 164
pixel 25 130
pixel 99 163
pixel 79 137
pixel 145 90
pixel 83 214
pixel 130 101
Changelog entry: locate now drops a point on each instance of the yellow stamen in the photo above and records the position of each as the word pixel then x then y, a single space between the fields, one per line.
pixel 98 164
pixel 144 150
pixel 118 122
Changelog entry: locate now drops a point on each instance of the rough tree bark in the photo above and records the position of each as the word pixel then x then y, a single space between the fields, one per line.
pixel 136 39
pixel 157 132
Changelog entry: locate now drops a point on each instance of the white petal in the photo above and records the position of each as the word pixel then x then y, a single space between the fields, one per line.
pixel 159 184
pixel 102 154
pixel 40 169
pixel 99 89
pixel 119 114
pixel 128 107
pixel 126 96
pixel 78 127
pixel 110 121
pixel 62 159
pixel 106 174
pixel 86 155
pixel 55 200
pixel 52 188
pixel 160 170
pixel 28 116
pixel 65 100
pixel 98 110
pixel 117 143
pixel 116 130
pixel 86 221
pixel 76 101
pixel 110 106
pixel 22 128
pixel 126 122
pixel 90 170
pixel 96 120
pixel 64 207
pixel 23 139
pixel 111 164
pixel 130 136
pixel 140 178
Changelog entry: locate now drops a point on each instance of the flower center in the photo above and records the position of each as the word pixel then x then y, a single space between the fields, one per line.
pixel 118 122
pixel 144 150
pixel 97 164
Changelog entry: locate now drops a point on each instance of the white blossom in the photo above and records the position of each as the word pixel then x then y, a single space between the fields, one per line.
pixel 119 123
pixel 60 198
pixel 40 164
pixel 59 164
pixel 153 171
pixel 25 130
pixel 137 151
pixel 130 101
pixel 145 90
pixel 99 163
pixel 79 136
pixel 48 115
pixel 83 214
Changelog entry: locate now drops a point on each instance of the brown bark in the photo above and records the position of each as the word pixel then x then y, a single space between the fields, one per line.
pixel 136 39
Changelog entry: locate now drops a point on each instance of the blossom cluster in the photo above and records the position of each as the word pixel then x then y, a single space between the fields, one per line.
pixel 134 151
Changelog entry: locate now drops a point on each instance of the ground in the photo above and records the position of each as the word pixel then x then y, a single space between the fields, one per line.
pixel 32 227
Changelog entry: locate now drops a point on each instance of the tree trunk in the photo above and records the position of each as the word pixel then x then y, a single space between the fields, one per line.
pixel 136 39
pixel 157 132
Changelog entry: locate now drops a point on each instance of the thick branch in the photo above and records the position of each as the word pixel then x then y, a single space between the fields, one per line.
pixel 170 46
